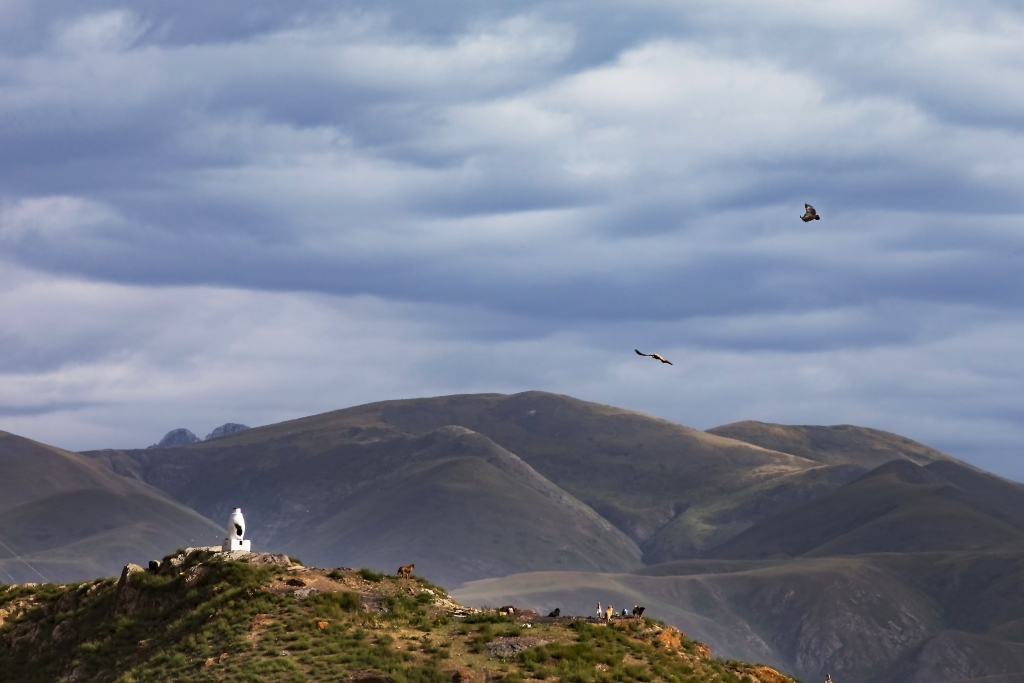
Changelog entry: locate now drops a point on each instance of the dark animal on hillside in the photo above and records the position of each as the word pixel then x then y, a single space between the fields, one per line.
pixel 653 355
pixel 406 570
pixel 638 611
pixel 154 566
pixel 810 214
pixel 557 612
pixel 507 609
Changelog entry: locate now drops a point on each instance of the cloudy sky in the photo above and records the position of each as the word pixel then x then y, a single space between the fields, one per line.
pixel 250 211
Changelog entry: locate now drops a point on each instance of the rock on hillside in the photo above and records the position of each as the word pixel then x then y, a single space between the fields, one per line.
pixel 176 437
pixel 226 429
pixel 208 616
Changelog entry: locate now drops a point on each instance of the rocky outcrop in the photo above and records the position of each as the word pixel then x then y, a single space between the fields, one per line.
pixel 176 437
pixel 226 429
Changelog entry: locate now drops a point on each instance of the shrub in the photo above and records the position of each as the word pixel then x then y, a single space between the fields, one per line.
pixel 487 618
pixel 370 575
pixel 334 604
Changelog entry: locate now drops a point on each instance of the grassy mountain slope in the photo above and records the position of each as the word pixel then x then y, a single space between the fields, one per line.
pixel 833 445
pixel 62 516
pixel 224 618
pixel 897 507
pixel 636 471
pixel 32 470
pixel 452 501
pixel 464 498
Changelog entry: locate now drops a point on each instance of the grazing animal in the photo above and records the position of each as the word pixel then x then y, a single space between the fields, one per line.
pixel 638 611
pixel 407 570
pixel 557 612
pixel 810 214
pixel 608 613
pixel 507 609
pixel 654 356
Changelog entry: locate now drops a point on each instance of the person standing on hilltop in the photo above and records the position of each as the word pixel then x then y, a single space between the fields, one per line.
pixel 599 612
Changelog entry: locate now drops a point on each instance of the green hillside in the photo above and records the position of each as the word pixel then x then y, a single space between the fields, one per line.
pixel 231 618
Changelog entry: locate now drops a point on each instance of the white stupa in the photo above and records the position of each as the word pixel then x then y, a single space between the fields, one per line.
pixel 236 532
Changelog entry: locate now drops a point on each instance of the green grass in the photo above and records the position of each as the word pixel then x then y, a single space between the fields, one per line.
pixel 232 622
pixel 370 575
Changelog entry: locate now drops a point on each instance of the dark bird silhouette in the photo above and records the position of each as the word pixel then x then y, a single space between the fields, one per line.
pixel 238 528
pixel 654 356
pixel 810 214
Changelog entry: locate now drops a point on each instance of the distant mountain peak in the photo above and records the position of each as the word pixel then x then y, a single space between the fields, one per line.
pixel 176 437
pixel 226 429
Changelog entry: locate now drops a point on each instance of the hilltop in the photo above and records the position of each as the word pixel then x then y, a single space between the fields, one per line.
pixel 209 616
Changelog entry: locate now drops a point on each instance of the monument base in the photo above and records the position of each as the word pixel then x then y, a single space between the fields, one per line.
pixel 235 544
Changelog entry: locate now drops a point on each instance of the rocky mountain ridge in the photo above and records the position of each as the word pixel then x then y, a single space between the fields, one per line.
pixel 185 437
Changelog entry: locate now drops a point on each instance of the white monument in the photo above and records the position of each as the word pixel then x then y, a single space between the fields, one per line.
pixel 236 532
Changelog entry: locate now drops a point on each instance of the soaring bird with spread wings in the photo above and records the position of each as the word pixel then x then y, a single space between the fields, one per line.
pixel 654 356
pixel 809 214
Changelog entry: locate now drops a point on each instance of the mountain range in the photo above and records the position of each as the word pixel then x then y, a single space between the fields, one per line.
pixel 814 549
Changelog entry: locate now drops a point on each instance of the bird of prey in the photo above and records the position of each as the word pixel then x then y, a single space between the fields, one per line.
pixel 653 355
pixel 810 214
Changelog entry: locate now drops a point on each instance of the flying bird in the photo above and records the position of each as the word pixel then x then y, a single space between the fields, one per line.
pixel 810 214
pixel 653 355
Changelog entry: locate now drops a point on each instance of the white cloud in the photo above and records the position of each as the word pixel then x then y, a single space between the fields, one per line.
pixel 50 218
